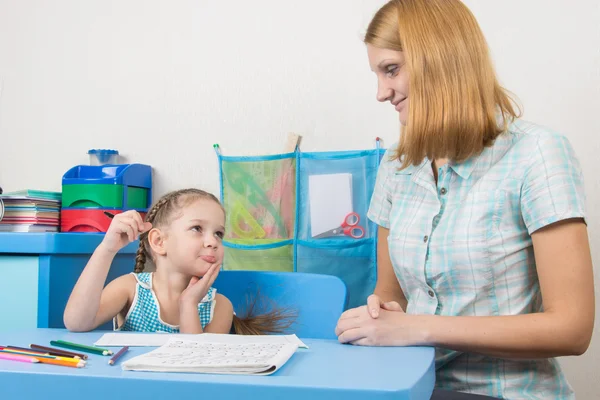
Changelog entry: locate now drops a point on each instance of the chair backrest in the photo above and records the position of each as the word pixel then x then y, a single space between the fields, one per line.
pixel 318 299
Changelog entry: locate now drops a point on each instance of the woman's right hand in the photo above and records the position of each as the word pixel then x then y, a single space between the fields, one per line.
pixel 374 304
pixel 124 229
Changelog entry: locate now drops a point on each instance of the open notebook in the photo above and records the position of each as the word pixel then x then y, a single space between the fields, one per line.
pixel 183 355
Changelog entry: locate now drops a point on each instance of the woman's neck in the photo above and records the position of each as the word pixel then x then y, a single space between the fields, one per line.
pixel 438 163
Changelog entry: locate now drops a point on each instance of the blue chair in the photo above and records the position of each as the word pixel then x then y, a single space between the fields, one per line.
pixel 317 299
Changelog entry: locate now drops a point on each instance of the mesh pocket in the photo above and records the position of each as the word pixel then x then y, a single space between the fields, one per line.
pixel 270 255
pixel 260 198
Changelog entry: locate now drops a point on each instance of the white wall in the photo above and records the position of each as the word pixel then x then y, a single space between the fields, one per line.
pixel 163 80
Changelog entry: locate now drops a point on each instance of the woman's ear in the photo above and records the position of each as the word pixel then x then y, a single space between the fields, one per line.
pixel 156 239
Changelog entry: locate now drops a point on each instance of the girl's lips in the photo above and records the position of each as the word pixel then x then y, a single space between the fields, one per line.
pixel 209 259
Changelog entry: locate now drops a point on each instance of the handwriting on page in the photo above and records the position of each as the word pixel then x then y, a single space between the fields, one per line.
pixel 194 353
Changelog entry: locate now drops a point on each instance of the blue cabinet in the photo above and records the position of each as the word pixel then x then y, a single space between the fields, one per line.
pixel 38 272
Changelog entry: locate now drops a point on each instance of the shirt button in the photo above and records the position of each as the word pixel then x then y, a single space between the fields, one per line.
pixel 425 239
pixel 430 293
pixel 443 191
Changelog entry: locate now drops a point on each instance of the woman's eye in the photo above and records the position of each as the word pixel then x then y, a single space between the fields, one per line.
pixel 391 70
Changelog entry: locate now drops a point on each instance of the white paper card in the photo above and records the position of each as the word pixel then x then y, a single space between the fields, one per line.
pixel 330 199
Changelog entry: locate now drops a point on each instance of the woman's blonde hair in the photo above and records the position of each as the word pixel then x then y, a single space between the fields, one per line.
pixel 455 97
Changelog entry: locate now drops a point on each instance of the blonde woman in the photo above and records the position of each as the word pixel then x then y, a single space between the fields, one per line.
pixel 483 246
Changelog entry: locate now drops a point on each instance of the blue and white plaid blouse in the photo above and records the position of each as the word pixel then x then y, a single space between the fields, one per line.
pixel 144 313
pixel 463 246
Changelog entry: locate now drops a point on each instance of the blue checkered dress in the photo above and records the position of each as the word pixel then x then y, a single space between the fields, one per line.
pixel 144 313
pixel 463 246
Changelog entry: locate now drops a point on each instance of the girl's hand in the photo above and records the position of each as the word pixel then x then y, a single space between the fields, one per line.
pixel 124 229
pixel 198 288
pixel 390 328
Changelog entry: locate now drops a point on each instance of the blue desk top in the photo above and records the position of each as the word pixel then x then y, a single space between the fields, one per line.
pixel 54 243
pixel 327 370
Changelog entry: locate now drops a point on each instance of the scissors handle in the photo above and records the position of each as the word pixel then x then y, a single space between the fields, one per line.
pixel 351 219
pixel 356 232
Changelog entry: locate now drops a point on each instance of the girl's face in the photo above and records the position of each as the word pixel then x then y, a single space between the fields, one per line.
pixel 392 78
pixel 193 240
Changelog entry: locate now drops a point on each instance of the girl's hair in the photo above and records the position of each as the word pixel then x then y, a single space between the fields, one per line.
pixel 455 97
pixel 273 321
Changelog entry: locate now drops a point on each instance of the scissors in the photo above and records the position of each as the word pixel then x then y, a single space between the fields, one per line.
pixel 349 227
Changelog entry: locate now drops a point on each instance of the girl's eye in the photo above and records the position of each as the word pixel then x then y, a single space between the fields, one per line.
pixel 220 234
pixel 197 228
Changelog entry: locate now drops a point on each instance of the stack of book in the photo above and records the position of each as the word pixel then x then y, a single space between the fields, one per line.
pixel 30 211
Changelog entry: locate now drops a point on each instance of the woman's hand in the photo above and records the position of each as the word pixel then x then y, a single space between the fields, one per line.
pixel 374 304
pixel 391 327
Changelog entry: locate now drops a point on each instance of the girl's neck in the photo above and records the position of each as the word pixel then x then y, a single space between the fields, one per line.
pixel 168 282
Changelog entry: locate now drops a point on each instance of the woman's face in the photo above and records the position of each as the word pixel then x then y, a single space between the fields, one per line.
pixel 392 78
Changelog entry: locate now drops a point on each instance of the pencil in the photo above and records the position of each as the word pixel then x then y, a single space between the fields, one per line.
pixel 16 357
pixel 109 215
pixel 58 352
pixel 118 355
pixel 61 362
pixel 82 347
pixel 26 350
pixel 39 355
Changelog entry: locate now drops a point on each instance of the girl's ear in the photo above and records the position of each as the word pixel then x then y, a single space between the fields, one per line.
pixel 156 239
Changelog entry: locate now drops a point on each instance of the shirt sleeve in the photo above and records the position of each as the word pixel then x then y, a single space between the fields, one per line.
pixel 553 188
pixel 381 201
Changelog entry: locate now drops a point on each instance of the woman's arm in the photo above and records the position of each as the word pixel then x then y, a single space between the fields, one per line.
pixel 565 326
pixel 387 288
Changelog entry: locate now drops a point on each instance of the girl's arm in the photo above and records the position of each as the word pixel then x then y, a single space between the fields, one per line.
pixel 565 326
pixel 222 317
pixel 89 305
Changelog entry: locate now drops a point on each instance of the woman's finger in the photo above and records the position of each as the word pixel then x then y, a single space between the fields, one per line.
pixel 352 313
pixel 392 306
pixel 362 342
pixel 374 304
pixel 352 335
pixel 346 324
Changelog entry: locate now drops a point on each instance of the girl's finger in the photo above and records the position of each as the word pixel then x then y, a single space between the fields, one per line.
pixel 193 281
pixel 128 230
pixel 138 220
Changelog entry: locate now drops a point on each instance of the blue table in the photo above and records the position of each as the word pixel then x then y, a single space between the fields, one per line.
pixel 325 371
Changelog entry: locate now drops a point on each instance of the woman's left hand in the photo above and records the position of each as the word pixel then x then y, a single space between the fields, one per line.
pixel 390 328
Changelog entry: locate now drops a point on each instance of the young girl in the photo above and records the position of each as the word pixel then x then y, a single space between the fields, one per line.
pixel 182 235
